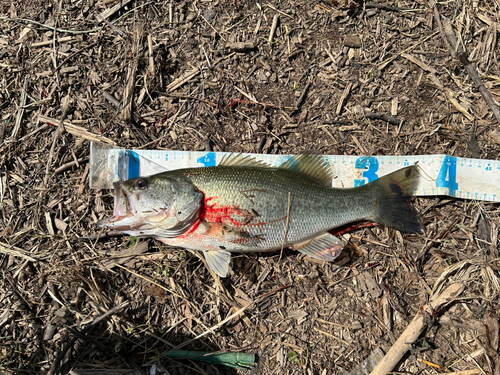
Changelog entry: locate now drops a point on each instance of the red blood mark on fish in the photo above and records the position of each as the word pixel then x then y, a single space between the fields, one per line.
pixel 221 218
pixel 215 213
pixel 351 228
pixel 191 230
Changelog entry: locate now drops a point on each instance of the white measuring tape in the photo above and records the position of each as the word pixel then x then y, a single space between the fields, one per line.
pixel 442 174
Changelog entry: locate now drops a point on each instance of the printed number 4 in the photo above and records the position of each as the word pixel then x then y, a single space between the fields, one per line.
pixel 447 177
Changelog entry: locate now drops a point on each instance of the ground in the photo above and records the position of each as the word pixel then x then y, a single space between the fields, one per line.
pixel 212 75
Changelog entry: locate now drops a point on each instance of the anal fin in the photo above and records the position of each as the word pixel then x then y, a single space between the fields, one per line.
pixel 218 261
pixel 325 247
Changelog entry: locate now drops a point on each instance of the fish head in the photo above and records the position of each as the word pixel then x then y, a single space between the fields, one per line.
pixel 157 205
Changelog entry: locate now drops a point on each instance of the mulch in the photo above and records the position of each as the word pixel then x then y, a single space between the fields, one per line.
pixel 336 77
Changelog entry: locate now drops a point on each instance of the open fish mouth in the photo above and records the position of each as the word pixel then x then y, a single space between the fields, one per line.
pixel 128 217
pixel 123 218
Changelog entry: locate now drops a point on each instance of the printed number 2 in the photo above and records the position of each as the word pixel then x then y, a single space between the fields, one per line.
pixel 371 174
pixel 447 177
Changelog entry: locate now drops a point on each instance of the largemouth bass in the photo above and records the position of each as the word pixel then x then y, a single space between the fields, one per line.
pixel 244 205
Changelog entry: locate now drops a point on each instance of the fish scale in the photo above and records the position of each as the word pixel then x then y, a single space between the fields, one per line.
pixel 236 192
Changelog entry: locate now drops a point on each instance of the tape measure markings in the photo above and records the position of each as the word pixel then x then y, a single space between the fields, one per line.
pixel 442 174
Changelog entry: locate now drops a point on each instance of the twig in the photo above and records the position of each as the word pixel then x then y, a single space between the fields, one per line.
pixel 54 61
pixel 383 64
pixel 253 100
pixel 111 99
pixel 70 164
pixel 128 96
pixel 183 79
pixel 29 135
pixel 279 11
pixel 383 117
pixel 20 113
pixel 180 96
pixel 343 98
pixel 77 130
pixel 418 62
pixel 59 131
pixel 332 336
pixel 457 50
pixel 213 28
pixel 51 27
pixel 437 17
pixel 151 56
pixel 15 251
pixel 158 285
pixel 215 327
pixel 101 236
pixel 299 102
pixel 415 328
pixel 84 177
pixel 49 42
pixel 273 28
pixel 118 30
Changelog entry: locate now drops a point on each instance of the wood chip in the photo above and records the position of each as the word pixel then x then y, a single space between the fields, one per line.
pixel 242 46
pixel 69 69
pixel 48 223
pixel 109 12
pixel 418 62
pixel 343 98
pixel 353 41
pixel 60 224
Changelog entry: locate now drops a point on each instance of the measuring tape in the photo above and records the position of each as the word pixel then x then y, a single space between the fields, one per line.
pixel 441 174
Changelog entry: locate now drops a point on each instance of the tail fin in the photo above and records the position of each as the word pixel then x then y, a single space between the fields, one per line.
pixel 395 208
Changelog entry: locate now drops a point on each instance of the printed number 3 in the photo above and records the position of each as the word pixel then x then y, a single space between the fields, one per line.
pixel 371 164
pixel 447 177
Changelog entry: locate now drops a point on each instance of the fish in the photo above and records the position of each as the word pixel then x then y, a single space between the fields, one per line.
pixel 244 205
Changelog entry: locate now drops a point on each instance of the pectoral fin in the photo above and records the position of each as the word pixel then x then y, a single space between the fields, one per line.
pixel 218 261
pixel 326 247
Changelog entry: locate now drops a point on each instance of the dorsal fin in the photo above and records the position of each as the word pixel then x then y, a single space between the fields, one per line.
pixel 240 160
pixel 311 165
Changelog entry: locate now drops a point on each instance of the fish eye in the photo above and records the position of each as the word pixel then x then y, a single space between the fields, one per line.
pixel 141 184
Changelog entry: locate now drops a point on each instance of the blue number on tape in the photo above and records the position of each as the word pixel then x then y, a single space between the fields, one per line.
pixel 207 160
pixel 371 164
pixel 447 177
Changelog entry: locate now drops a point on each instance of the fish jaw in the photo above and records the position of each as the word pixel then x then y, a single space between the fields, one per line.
pixel 129 219
pixel 123 219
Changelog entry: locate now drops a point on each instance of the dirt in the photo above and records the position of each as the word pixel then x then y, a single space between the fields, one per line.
pixel 313 86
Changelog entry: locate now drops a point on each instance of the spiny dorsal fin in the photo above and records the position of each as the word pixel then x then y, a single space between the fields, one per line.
pixel 311 165
pixel 240 160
